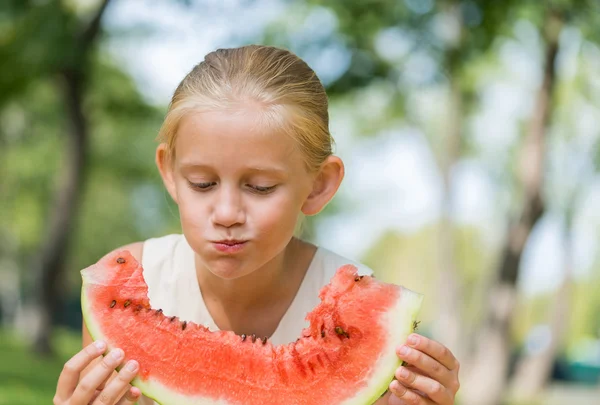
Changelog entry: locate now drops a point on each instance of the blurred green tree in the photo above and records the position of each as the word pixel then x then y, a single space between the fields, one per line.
pixel 80 178
pixel 50 40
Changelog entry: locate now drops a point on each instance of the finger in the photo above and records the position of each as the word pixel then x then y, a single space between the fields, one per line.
pixel 431 388
pixel 95 395
pixel 114 389
pixel 427 365
pixel 103 383
pixel 69 377
pixel 131 396
pixel 405 396
pixel 92 380
pixel 416 370
pixel 434 349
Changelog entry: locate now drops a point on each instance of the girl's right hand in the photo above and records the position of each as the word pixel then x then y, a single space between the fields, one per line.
pixel 93 387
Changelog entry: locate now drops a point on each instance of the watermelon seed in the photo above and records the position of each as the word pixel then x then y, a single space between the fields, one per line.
pixel 158 311
pixel 322 333
pixel 113 303
pixel 127 303
pixel 253 338
pixel 120 260
pixel 356 278
pixel 243 337
pixel 183 325
pixel 341 331
pixel 173 318
pixel 264 340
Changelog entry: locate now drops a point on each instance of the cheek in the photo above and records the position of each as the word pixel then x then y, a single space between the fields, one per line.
pixel 278 216
pixel 191 210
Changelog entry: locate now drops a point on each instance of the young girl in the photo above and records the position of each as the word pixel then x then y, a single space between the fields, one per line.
pixel 245 152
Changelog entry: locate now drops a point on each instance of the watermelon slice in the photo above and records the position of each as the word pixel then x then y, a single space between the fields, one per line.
pixel 346 356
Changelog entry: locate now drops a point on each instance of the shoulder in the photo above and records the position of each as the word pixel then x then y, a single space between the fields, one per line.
pixel 164 249
pixel 331 261
pixel 135 248
pixel 152 248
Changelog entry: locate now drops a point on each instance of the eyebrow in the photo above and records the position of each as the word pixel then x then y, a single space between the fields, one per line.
pixel 259 169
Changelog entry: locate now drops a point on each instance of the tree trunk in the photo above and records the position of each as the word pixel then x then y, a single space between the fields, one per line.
pixel 533 371
pixel 55 244
pixel 447 329
pixel 49 266
pixel 488 370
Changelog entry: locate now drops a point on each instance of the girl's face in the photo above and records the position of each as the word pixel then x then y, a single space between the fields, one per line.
pixel 240 189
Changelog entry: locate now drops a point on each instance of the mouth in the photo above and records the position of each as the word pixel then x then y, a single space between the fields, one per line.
pixel 229 245
pixel 230 242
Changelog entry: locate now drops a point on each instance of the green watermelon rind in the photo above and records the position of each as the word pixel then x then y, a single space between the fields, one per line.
pixel 407 308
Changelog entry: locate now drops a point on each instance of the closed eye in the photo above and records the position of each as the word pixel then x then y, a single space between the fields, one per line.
pixel 261 189
pixel 201 186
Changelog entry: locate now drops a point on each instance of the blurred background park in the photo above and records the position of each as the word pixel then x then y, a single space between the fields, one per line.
pixel 470 130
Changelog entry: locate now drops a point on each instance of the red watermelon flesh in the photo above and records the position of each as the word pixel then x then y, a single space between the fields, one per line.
pixel 346 355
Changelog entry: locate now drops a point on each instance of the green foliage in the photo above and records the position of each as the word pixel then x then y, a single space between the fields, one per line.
pixel 412 261
pixel 35 40
pixel 584 318
pixel 123 198
pixel 585 322
pixel 30 162
pixel 27 379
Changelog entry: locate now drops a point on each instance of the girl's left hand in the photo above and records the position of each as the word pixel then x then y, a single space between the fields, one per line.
pixel 431 376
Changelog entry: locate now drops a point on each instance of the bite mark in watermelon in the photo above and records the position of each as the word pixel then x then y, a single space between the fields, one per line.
pixel 346 355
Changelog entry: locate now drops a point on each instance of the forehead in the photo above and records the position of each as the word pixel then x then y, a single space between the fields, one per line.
pixel 234 139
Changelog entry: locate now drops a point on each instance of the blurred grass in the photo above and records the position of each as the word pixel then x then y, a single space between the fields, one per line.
pixel 27 379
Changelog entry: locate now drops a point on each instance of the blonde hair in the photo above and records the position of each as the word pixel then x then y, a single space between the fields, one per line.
pixel 289 91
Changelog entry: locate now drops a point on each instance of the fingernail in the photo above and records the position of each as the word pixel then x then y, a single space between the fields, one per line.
pixel 117 354
pixel 413 340
pixel 403 372
pixel 403 351
pixel 132 365
pixel 100 345
pixel 394 386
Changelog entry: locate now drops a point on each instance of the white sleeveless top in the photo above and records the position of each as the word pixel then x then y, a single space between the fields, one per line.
pixel 170 273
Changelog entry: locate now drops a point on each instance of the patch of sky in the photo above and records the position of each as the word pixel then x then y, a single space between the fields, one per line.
pixel 393 44
pixel 181 36
pixel 419 6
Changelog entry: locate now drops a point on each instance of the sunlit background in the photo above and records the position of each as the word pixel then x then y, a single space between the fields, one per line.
pixel 470 131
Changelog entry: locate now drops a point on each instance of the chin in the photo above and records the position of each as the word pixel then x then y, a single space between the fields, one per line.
pixel 228 271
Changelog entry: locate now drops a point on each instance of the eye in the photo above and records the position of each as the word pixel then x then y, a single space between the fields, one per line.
pixel 261 189
pixel 201 186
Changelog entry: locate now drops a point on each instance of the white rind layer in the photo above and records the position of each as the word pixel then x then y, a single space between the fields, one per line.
pixel 399 322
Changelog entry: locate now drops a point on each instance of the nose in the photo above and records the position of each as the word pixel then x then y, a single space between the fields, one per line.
pixel 228 208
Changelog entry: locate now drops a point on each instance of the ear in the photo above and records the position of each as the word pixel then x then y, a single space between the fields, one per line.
pixel 325 185
pixel 165 167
